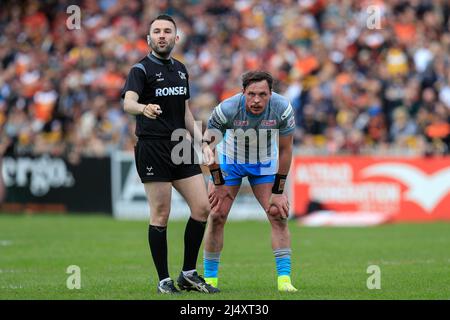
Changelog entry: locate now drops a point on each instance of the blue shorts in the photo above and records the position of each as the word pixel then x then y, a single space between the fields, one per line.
pixel 255 173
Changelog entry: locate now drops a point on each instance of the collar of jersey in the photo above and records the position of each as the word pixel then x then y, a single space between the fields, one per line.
pixel 155 59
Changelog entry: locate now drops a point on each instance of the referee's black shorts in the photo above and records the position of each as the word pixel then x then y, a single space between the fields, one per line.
pixel 154 162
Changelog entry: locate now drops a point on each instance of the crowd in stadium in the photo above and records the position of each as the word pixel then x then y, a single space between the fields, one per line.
pixel 363 76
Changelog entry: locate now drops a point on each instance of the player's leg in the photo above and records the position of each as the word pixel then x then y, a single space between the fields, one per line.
pixel 214 232
pixel 159 197
pixel 193 190
pixel 281 239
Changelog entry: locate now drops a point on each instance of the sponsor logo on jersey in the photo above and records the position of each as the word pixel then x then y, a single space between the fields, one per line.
pixel 171 91
pixel 159 76
pixel 269 123
pixel 240 123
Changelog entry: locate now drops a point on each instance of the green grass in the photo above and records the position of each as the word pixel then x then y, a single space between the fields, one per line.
pixel 328 263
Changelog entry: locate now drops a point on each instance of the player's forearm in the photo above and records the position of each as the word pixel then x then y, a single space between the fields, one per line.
pixel 284 163
pixel 216 174
pixel 285 159
pixel 214 166
pixel 133 107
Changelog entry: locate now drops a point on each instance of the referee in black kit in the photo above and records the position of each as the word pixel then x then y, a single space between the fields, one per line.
pixel 157 93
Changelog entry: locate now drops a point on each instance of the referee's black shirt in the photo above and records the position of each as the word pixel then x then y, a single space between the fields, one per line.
pixel 162 82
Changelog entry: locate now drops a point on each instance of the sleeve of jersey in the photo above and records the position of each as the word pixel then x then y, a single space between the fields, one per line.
pixel 287 123
pixel 135 81
pixel 217 120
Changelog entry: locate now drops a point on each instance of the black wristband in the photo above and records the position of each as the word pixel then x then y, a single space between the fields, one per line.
pixel 217 176
pixel 278 185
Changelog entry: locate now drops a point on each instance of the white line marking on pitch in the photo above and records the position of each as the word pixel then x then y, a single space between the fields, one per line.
pixel 5 243
pixel 12 287
pixel 7 271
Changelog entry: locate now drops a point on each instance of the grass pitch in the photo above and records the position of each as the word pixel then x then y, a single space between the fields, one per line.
pixel 115 263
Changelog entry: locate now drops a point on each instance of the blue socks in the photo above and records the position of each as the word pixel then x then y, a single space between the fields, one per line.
pixel 283 261
pixel 211 264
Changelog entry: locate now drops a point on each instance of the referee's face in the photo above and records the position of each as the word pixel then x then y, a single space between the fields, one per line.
pixel 162 37
pixel 257 95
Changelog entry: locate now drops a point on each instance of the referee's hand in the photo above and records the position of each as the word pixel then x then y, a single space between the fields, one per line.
pixel 151 111
pixel 208 155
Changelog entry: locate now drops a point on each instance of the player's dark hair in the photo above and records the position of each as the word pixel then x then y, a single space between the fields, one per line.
pixel 256 76
pixel 164 17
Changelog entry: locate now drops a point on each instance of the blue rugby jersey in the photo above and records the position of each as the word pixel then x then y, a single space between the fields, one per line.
pixel 251 138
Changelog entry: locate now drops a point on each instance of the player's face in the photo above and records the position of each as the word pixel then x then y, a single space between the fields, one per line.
pixel 257 95
pixel 162 37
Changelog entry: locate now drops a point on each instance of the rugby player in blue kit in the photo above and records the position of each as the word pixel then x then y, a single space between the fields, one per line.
pixel 252 133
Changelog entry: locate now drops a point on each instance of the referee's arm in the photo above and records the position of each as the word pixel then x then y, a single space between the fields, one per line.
pixel 194 129
pixel 131 105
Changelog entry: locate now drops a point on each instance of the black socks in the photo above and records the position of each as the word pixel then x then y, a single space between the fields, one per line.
pixel 157 239
pixel 193 236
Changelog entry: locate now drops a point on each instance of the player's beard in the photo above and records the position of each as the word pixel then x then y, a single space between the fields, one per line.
pixel 163 52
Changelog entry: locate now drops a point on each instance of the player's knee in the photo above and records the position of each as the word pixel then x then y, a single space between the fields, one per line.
pixel 218 218
pixel 275 217
pixel 273 213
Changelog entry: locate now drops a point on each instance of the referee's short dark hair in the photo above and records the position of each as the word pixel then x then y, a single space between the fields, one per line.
pixel 164 17
pixel 256 76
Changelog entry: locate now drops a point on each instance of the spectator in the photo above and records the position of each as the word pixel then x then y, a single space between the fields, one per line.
pixel 345 81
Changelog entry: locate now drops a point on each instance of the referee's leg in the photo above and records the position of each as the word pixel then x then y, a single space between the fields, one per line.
pixel 159 196
pixel 193 190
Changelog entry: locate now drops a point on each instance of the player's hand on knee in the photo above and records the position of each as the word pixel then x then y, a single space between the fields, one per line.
pixel 277 212
pixel 220 194
pixel 278 205
pixel 151 111
pixel 212 197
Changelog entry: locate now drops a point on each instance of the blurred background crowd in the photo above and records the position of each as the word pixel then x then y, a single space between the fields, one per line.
pixel 364 77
